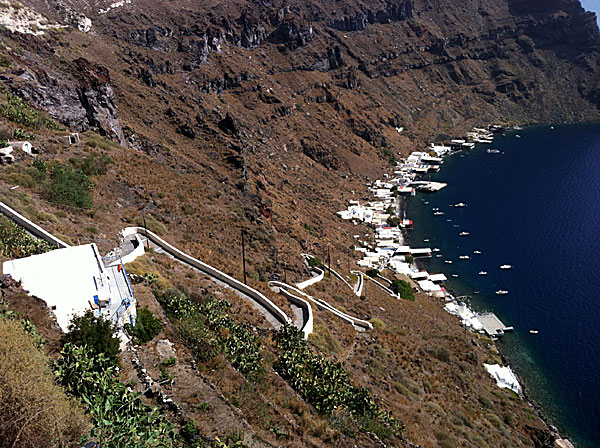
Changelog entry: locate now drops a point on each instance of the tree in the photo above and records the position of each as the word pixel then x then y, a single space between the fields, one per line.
pixel 402 288
pixel 96 333
pixel 393 221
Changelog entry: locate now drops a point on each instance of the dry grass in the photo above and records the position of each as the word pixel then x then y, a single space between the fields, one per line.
pixel 35 411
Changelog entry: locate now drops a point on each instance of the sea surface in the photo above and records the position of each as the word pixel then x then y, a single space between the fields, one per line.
pixel 535 206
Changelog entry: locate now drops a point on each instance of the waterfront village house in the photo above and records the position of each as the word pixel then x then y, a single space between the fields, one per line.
pixel 76 279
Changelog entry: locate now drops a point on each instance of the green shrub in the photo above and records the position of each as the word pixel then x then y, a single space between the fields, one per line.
pixel 17 110
pixel 325 384
pixel 146 327
pixel 120 418
pixel 20 134
pixel 393 221
pixel 310 229
pixel 97 334
pixel 207 329
pixel 68 186
pixel 314 262
pixel 16 242
pixel 403 288
pixel 92 165
pixel 373 273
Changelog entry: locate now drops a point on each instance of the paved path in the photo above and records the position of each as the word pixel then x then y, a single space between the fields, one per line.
pixel 130 243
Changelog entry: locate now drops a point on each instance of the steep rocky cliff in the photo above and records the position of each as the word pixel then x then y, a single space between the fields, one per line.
pixel 268 116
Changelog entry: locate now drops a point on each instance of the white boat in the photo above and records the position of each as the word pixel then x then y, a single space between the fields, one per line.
pixel 534 331
pixel 426 240
pixel 517 136
pixel 455 275
pixel 436 249
pixel 460 204
pixel 449 220
pixel 438 256
pixel 464 257
pixel 493 151
pixel 506 266
pixel 464 234
pixel 455 225
pixel 477 252
pixel 482 272
pixel 435 209
pixel 438 213
pixel 448 261
pixel 501 292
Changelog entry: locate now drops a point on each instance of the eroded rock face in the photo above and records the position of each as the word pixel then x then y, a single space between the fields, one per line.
pixel 85 102
pixel 292 34
pixel 98 98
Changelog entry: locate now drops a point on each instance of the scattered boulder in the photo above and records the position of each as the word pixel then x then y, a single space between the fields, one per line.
pixel 229 125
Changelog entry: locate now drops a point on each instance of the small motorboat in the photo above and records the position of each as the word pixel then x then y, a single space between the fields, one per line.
pixel 460 205
pixel 506 266
pixel 426 240
pixel 435 209
pixel 477 252
pixel 482 272
pixel 438 256
pixel 436 249
pixel 517 136
pixel 464 257
pixel 534 331
pixel 455 275
pixel 455 225
pixel 438 213
pixel 493 151
pixel 448 261
pixel 501 292
pixel 449 220
pixel 464 234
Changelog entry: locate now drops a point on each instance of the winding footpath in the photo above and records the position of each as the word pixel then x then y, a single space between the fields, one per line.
pixel 135 241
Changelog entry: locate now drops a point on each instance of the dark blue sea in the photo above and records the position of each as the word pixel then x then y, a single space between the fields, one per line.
pixel 535 206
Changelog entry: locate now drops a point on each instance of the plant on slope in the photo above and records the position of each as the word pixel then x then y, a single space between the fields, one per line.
pixel 404 289
pixel 35 411
pixel 120 418
pixel 207 329
pixel 97 334
pixel 146 327
pixel 326 384
pixel 16 242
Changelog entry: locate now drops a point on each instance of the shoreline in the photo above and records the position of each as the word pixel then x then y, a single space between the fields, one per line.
pixel 401 202
pixel 539 410
pixel 407 237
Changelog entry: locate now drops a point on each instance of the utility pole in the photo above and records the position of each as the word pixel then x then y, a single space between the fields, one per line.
pixel 244 257
pixel 146 232
pixel 364 279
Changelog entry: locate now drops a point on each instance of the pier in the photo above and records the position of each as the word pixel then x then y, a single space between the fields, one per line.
pixel 492 325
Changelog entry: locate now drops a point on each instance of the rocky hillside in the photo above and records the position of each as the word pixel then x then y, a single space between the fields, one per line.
pixel 268 116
